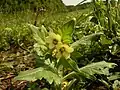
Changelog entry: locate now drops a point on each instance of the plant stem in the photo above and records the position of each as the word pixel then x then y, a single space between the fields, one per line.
pixel 109 16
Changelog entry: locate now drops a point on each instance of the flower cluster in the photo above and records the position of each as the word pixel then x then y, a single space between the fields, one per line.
pixel 59 49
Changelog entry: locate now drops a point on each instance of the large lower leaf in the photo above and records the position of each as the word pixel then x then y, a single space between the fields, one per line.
pixel 48 73
pixel 96 68
pixel 86 40
pixel 88 71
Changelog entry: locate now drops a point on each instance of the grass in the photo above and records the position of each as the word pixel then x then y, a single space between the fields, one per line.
pixel 14 27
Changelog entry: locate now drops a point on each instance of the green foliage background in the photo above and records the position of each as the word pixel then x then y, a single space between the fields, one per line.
pixel 18 5
pixel 96 36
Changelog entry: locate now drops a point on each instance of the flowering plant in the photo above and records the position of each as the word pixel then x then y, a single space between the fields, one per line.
pixel 56 61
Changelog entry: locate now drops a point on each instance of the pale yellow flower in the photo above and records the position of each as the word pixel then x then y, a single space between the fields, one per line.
pixel 53 40
pixel 63 50
pixel 54 52
pixel 64 85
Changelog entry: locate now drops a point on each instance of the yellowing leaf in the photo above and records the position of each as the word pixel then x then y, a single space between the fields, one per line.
pixel 67 31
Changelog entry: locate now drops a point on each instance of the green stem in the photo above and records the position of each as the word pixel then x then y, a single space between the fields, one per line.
pixel 109 16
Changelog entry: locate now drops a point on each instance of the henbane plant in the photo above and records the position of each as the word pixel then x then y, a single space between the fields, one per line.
pixel 54 50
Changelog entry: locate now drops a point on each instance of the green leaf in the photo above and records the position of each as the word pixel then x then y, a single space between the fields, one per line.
pixel 63 62
pixel 96 68
pixel 40 49
pixel 86 40
pixel 39 73
pixel 43 32
pixel 70 84
pixel 88 71
pixel 73 65
pixel 70 75
pixel 37 34
pixel 115 76
pixel 67 31
pixel 68 64
pixel 104 40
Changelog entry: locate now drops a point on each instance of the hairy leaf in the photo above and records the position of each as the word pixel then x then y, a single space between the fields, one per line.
pixel 86 40
pixel 36 34
pixel 115 76
pixel 96 68
pixel 43 32
pixel 48 73
pixel 39 36
pixel 88 71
